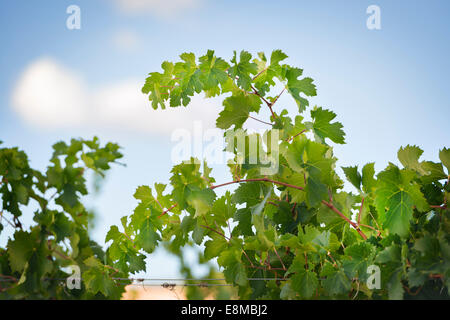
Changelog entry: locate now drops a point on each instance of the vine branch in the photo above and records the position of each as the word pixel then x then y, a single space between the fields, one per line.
pixel 167 210
pixel 258 179
pixel 328 204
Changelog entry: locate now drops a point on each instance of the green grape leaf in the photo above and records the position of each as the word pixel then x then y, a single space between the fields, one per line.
pixel 303 154
pixel 243 69
pixel 136 262
pixel 147 238
pixel 201 200
pixel 214 247
pixel 326 241
pixel 433 172
pixel 315 192
pixel 368 180
pixel 20 250
pixel 297 179
pixel 189 83
pixel 297 86
pixel 223 209
pixel 264 79
pixel 306 237
pixel 69 196
pixel 244 218
pixel 288 240
pixel 353 176
pixel 213 70
pixel 237 110
pixel 359 257
pixel 198 234
pixel 144 193
pixel 234 270
pixel 409 158
pixel 305 282
pixel 96 281
pixel 249 192
pixel 323 128
pixel 395 197
pixel 444 155
pixel 395 287
pixel 186 177
pixel 344 202
pixel 428 247
pixel 336 281
pixel 390 254
pixel 157 85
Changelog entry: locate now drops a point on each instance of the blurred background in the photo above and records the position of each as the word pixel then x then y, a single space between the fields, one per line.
pixel 388 86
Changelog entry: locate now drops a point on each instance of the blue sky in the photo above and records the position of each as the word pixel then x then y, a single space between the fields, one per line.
pixel 389 87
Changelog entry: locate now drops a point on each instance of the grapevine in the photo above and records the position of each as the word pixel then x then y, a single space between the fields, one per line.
pixel 290 231
pixel 297 226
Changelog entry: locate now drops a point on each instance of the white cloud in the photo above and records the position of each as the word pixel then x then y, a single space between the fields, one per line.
pixel 126 40
pixel 159 8
pixel 49 95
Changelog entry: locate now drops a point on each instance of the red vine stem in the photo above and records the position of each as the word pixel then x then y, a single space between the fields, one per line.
pixel 293 209
pixel 265 100
pixel 439 207
pixel 273 203
pixel 128 237
pixel 251 263
pixel 9 277
pixel 167 210
pixel 9 222
pixel 265 268
pixel 291 138
pixel 278 96
pixel 261 72
pixel 334 261
pixel 353 224
pixel 260 120
pixel 367 226
pixel 279 258
pixel 214 230
pixel 258 179
pixel 410 292
pixel 328 204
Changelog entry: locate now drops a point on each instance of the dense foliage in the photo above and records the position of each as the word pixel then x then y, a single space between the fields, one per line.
pixel 34 264
pixel 297 228
pixel 293 233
